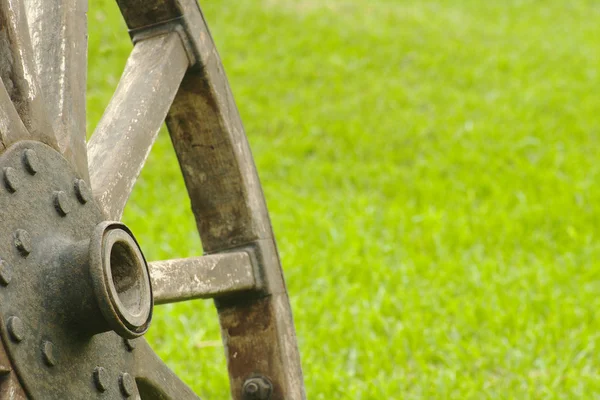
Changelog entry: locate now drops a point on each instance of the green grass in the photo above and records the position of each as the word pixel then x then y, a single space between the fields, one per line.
pixel 431 171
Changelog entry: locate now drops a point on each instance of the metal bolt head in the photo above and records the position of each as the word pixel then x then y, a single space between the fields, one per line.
pixel 101 379
pixel 31 161
pixel 127 384
pixel 82 191
pixel 257 388
pixel 48 353
pixel 251 388
pixel 23 242
pixel 61 203
pixel 5 273
pixel 16 330
pixel 12 180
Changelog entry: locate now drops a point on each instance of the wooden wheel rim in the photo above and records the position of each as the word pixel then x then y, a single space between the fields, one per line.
pixel 173 73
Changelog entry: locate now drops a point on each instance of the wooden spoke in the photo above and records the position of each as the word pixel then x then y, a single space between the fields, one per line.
pixel 11 126
pixel 121 142
pixel 201 277
pixel 155 381
pixel 59 38
pixel 18 73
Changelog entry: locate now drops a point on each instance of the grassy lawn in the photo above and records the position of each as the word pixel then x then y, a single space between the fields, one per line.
pixel 431 171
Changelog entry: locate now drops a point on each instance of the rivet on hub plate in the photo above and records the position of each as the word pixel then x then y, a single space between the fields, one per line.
pixel 82 191
pixel 16 330
pixel 101 379
pixel 5 273
pixel 23 242
pixel 127 384
pixel 61 203
pixel 31 161
pixel 12 181
pixel 48 353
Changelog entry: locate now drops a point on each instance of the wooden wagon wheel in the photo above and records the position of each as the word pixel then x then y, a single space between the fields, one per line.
pixel 76 293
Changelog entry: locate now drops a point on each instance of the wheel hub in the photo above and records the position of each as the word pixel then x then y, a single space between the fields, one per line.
pixel 70 283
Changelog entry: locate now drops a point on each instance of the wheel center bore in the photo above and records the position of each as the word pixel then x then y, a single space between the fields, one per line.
pixel 120 279
pixel 128 283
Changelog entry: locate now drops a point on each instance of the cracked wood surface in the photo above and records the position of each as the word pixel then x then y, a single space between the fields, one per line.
pixel 230 210
pixel 58 31
pixel 12 128
pixel 124 136
pixel 18 72
pixel 201 277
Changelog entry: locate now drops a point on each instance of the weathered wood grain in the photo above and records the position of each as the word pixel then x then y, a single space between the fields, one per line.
pixel 215 157
pixel 18 72
pixel 227 201
pixel 11 127
pixel 125 134
pixel 201 277
pixel 58 32
pixel 143 13
pixel 230 210
pixel 259 335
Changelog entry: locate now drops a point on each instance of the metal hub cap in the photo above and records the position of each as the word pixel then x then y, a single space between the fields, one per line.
pixel 120 278
pixel 72 285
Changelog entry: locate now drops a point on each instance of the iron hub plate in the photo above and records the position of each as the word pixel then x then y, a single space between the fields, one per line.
pixel 45 207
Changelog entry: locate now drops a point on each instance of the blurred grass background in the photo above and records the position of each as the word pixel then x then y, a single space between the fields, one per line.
pixel 432 173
